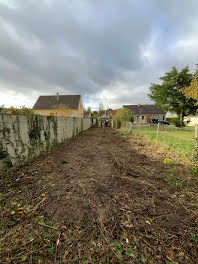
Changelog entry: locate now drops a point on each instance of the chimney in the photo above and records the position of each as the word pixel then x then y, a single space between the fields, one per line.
pixel 57 97
pixel 139 105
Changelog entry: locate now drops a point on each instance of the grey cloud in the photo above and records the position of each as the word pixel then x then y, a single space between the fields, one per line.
pixel 85 47
pixel 72 54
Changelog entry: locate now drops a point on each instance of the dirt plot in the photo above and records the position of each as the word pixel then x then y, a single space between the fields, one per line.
pixel 100 198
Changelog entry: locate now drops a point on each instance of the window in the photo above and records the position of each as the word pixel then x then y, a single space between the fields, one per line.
pixel 142 117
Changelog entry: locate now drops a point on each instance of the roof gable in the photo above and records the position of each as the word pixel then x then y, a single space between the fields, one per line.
pixel 48 101
pixel 145 109
pixel 112 112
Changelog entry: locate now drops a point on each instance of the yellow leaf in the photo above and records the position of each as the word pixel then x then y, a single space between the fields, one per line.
pixel 43 194
pixel 20 208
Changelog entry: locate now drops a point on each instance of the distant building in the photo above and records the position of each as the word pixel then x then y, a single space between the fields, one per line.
pixel 112 112
pixel 105 117
pixel 171 115
pixel 144 113
pixel 59 105
pixel 191 120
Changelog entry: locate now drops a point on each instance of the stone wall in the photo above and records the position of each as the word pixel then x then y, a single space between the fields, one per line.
pixel 25 137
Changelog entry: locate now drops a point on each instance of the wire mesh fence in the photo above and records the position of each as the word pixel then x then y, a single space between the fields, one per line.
pixel 182 140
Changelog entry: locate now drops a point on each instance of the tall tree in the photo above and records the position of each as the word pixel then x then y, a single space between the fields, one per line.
pixel 101 107
pixel 192 90
pixel 170 94
pixel 89 110
pixel 95 114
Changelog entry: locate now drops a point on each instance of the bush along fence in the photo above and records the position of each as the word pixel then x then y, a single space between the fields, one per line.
pixel 184 141
pixel 24 137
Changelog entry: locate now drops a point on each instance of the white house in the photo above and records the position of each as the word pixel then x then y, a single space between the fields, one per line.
pixel 144 113
pixel 191 120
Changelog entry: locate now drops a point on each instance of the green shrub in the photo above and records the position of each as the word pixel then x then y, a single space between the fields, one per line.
pixel 123 114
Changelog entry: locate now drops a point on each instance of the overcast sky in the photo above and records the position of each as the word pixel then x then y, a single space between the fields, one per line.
pixel 105 50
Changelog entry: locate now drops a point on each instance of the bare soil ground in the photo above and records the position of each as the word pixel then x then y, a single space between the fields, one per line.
pixel 100 198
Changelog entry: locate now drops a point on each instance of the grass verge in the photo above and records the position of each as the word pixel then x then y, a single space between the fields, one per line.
pixel 178 140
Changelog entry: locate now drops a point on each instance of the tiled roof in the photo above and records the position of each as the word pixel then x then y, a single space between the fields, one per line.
pixel 145 109
pixel 48 101
pixel 112 112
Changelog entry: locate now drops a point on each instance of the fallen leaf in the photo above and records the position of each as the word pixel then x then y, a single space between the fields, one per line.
pixel 15 203
pixel 160 248
pixel 170 256
pixel 57 242
pixel 20 208
pixel 65 236
pixel 181 254
pixel 158 257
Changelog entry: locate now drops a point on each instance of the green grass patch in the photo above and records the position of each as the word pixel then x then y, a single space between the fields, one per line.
pixel 179 140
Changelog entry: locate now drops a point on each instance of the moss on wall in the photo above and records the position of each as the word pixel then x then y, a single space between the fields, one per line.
pixel 25 137
pixel 4 157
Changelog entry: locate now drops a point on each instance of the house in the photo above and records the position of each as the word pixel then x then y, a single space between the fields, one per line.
pixel 112 112
pixel 191 120
pixel 171 115
pixel 144 113
pixel 104 119
pixel 59 105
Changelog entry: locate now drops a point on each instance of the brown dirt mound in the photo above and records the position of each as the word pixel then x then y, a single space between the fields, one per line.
pixel 100 198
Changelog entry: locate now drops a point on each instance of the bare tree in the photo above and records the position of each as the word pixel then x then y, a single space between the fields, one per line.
pixel 62 109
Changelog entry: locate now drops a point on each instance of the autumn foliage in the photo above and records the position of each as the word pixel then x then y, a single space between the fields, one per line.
pixel 192 90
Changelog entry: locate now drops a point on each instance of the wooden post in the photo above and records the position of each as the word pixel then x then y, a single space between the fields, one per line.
pixel 103 125
pixel 196 143
pixel 130 127
pixel 140 124
pixel 158 130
